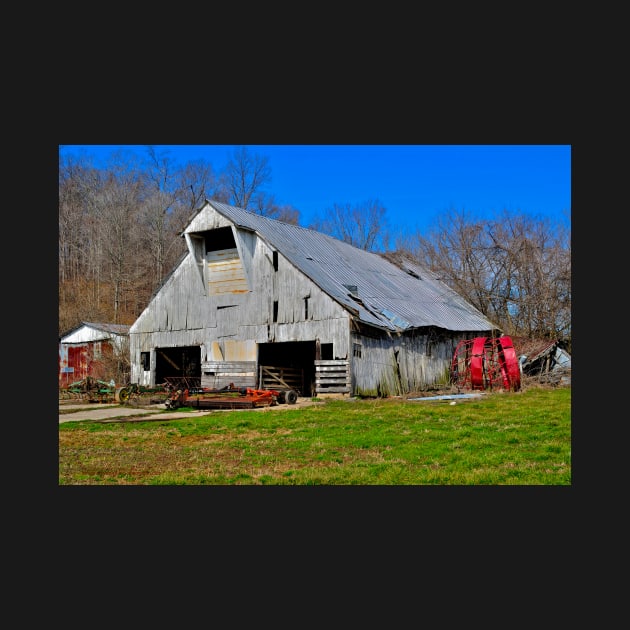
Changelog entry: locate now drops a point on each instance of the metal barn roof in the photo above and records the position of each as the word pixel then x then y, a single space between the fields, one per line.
pixel 116 329
pixel 392 296
pixel 108 329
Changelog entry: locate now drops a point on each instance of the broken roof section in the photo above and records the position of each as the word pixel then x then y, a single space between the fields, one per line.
pixel 542 356
pixel 394 295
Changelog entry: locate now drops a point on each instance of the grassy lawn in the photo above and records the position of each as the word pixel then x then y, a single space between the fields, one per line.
pixel 503 438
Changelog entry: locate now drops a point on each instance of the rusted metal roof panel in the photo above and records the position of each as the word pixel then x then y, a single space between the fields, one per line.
pixel 392 296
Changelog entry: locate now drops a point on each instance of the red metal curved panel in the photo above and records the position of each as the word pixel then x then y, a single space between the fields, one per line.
pixel 476 363
pixel 510 363
pixel 460 365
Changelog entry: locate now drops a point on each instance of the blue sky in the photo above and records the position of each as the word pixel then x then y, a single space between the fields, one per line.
pixel 415 183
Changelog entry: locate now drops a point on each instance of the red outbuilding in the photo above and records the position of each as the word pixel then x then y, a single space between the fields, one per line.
pixel 94 349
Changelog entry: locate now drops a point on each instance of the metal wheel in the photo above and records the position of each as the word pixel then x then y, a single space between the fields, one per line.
pixel 122 395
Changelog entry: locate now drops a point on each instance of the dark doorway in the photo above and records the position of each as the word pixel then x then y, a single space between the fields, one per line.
pixel 291 354
pixel 177 362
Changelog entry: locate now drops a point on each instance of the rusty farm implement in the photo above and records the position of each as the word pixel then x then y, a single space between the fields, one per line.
pixel 228 397
pixel 89 389
pixel 486 363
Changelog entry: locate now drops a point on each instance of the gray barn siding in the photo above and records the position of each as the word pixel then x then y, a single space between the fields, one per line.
pixel 400 365
pixel 418 368
pixel 373 373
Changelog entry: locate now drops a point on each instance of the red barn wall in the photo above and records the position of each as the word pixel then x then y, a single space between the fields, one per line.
pixel 77 361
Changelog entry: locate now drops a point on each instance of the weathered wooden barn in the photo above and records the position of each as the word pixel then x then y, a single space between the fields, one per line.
pixel 261 303
pixel 91 349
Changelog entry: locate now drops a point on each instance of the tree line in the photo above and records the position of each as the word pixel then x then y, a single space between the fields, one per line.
pixel 120 228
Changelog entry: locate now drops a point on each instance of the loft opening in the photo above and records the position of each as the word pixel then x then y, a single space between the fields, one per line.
pixel 221 238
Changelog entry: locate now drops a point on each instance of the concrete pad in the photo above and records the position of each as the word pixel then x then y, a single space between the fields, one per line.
pixel 105 413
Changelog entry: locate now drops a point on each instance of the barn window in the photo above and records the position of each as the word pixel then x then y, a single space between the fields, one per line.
pixel 305 308
pixel 356 350
pixel 275 310
pixel 145 359
pixel 275 261
pixel 219 239
pixel 327 351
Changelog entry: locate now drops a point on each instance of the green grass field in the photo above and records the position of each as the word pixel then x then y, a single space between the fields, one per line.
pixel 503 438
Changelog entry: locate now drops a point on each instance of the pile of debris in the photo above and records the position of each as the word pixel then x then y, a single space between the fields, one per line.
pixel 544 361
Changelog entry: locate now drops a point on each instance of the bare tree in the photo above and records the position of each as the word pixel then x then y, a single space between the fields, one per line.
pixel 516 269
pixel 287 214
pixel 116 208
pixel 265 205
pixel 163 191
pixel 72 173
pixel 197 182
pixel 173 193
pixel 363 225
pixel 81 283
pixel 245 176
pixel 539 292
pixel 455 250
